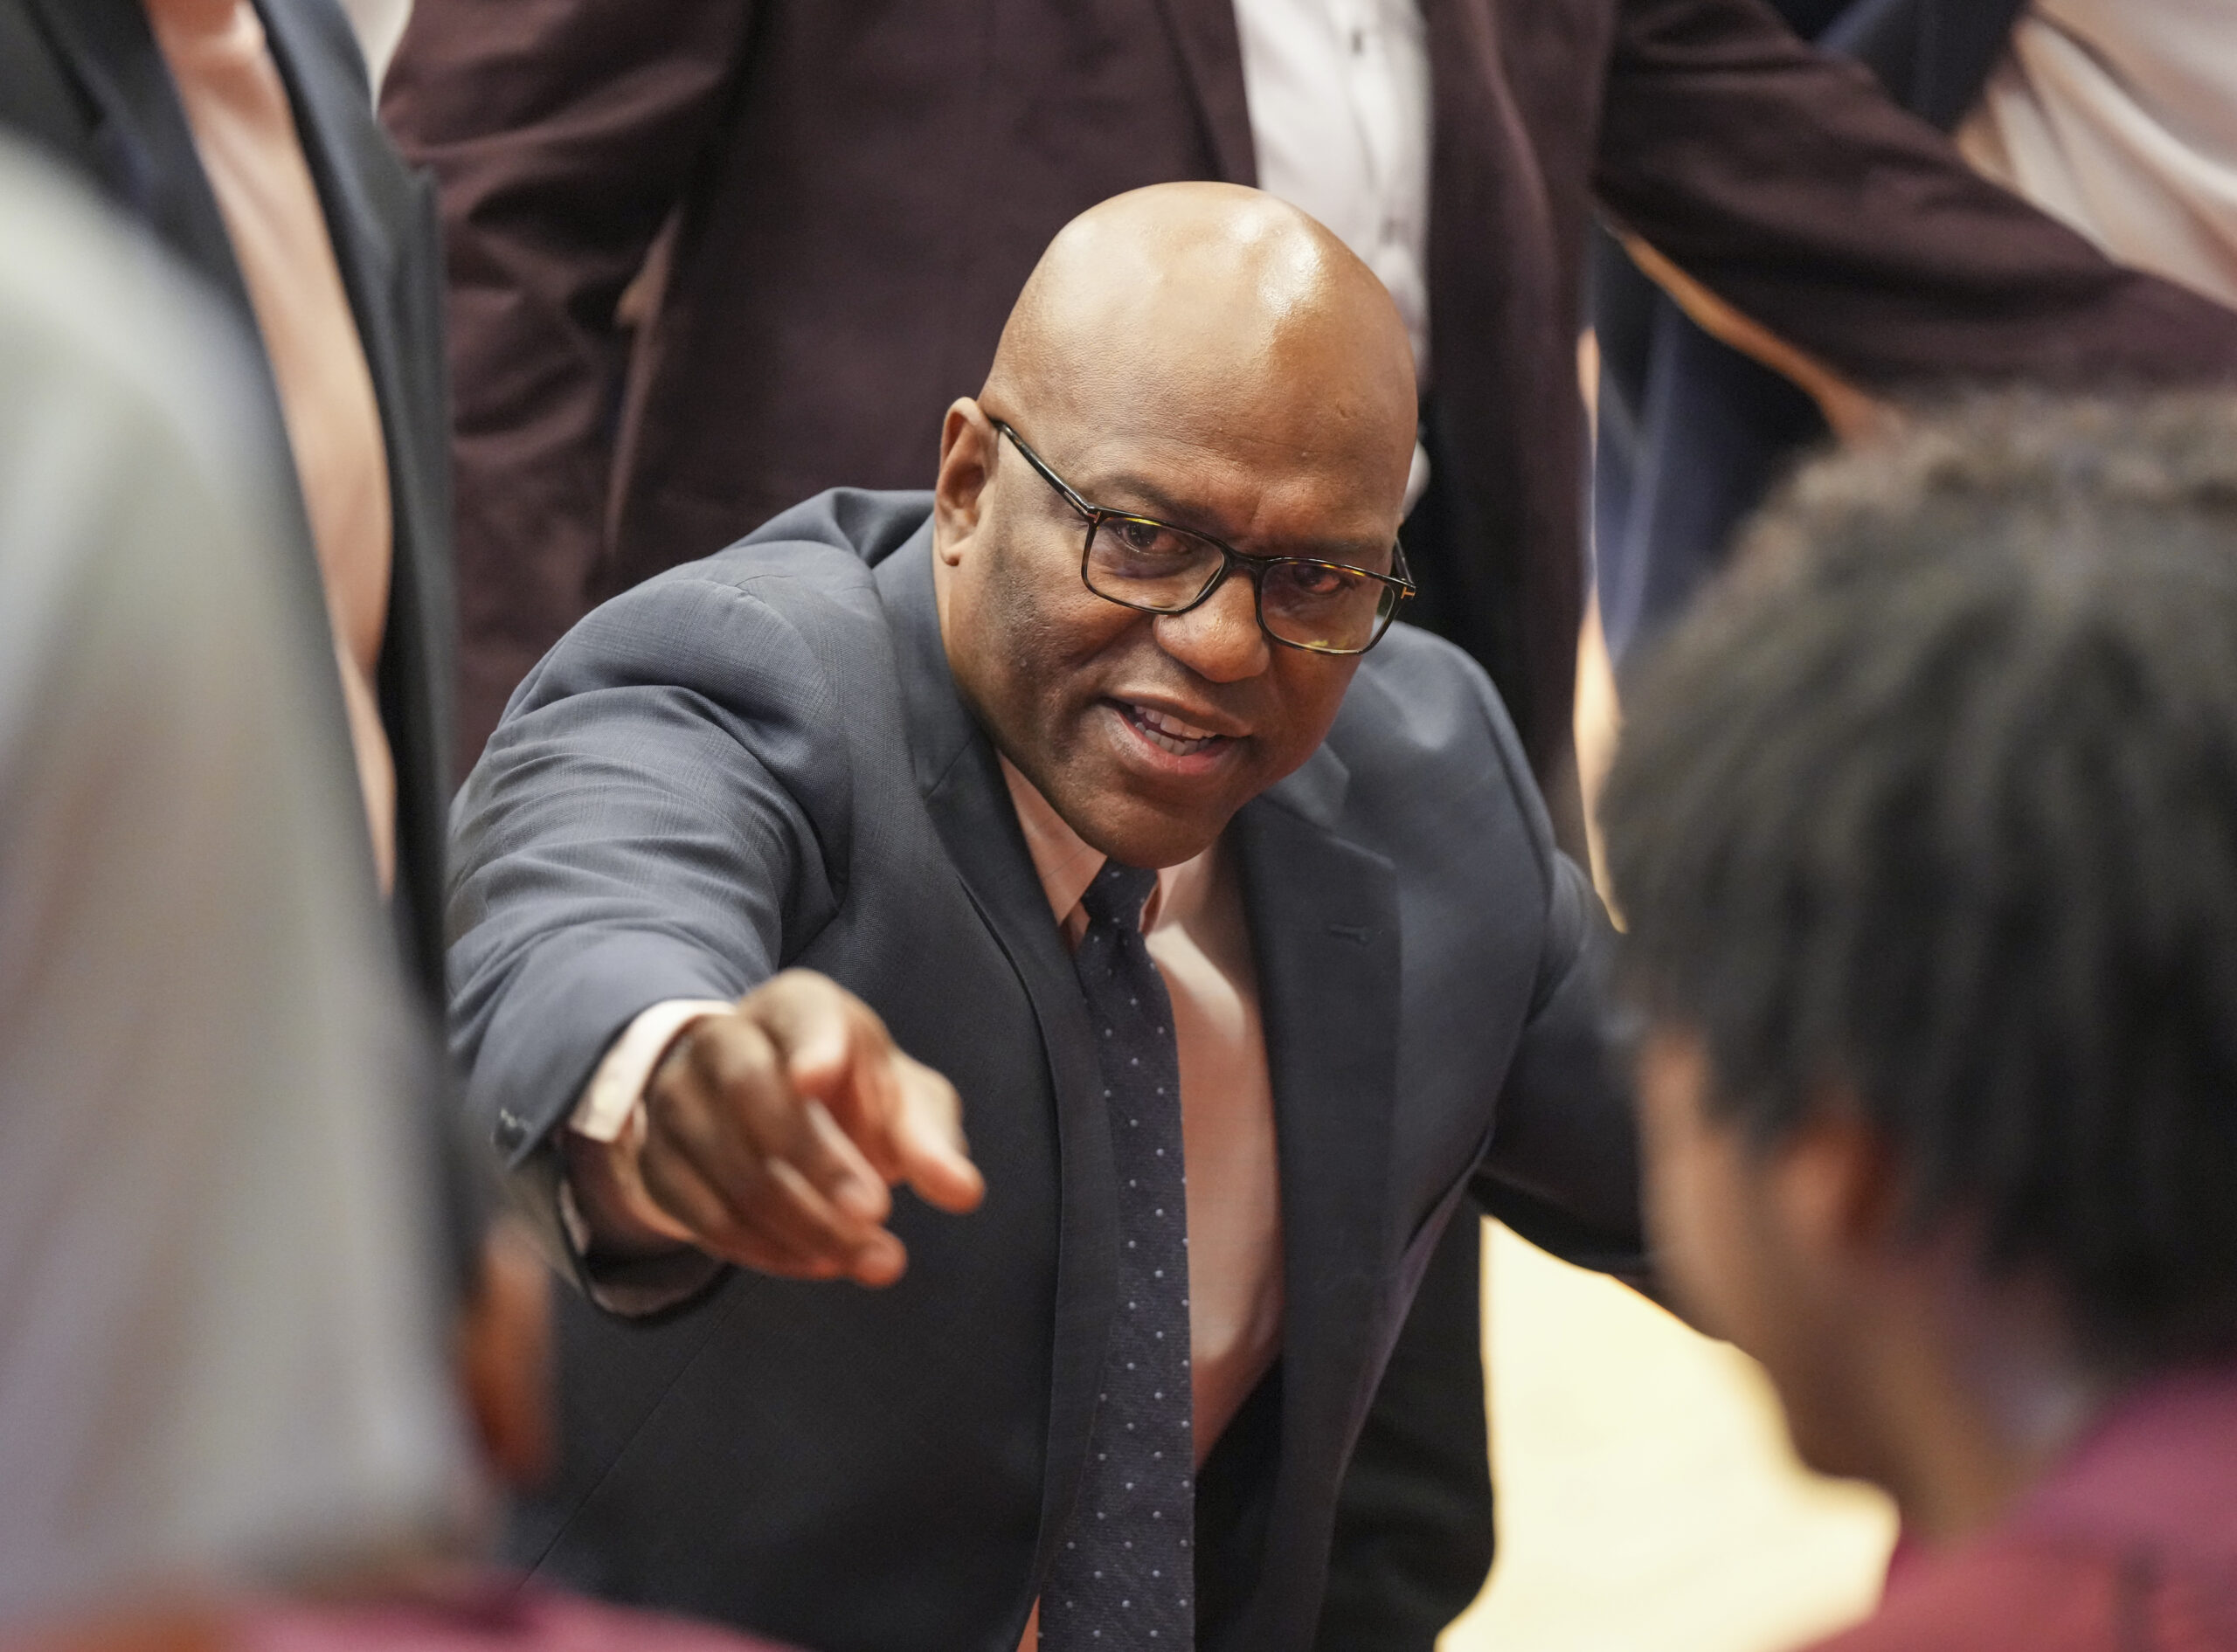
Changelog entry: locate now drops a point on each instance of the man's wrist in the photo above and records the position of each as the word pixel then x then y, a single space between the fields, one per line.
pixel 608 1214
pixel 617 1089
pixel 604 1195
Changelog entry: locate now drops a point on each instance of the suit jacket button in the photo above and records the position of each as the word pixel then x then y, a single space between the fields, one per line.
pixel 512 1130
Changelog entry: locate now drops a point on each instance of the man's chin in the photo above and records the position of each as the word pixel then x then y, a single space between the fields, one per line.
pixel 1137 831
pixel 1154 814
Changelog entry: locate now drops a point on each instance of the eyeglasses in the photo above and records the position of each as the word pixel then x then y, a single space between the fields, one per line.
pixel 1138 562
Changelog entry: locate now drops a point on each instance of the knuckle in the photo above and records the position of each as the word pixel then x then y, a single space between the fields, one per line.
pixel 671 1090
pixel 748 1076
pixel 701 1050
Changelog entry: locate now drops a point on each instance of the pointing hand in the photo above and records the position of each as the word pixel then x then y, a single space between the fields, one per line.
pixel 773 1134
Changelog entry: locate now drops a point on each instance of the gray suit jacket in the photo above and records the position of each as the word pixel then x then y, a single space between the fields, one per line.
pixel 761 760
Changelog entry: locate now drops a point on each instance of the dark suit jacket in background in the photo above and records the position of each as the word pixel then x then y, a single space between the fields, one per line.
pixel 1692 433
pixel 859 189
pixel 760 760
pixel 86 79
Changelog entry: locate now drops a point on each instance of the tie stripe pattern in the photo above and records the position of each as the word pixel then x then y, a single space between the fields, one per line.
pixel 1125 1576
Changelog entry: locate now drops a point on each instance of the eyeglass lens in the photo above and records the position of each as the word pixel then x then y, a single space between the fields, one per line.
pixel 1146 564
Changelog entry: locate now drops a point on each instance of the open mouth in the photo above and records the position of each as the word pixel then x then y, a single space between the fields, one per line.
pixel 1167 732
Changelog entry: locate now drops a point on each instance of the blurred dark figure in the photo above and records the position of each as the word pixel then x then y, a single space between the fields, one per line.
pixel 1926 830
pixel 2119 117
pixel 227 1369
pixel 243 137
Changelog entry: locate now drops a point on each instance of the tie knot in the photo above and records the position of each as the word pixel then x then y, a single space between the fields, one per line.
pixel 1118 895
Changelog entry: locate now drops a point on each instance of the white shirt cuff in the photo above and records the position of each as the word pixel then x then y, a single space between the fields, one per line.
pixel 616 1091
pixel 610 1115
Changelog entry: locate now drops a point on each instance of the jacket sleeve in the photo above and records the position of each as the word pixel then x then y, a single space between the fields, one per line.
pixel 655 820
pixel 1412 1542
pixel 1788 185
pixel 561 134
pixel 1563 1168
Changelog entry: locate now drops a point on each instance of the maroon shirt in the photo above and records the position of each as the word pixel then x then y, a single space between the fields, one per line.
pixel 500 1617
pixel 2129 1546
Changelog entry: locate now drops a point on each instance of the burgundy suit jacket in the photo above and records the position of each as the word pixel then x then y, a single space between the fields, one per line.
pixel 858 188
pixel 2129 1546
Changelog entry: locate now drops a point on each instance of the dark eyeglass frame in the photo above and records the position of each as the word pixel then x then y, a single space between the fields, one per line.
pixel 1254 568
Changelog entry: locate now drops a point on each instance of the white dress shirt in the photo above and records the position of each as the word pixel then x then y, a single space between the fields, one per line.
pixel 379 25
pixel 1338 95
pixel 244 135
pixel 2120 117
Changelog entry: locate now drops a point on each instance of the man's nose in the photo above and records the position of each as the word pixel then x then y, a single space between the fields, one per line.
pixel 1219 639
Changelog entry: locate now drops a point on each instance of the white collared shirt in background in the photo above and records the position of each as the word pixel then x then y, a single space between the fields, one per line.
pixel 1338 92
pixel 2119 117
pixel 379 26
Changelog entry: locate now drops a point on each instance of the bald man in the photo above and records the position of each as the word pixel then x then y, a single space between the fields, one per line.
pixel 1093 805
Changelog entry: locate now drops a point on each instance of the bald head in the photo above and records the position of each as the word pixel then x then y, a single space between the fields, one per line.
pixel 1209 309
pixel 1194 357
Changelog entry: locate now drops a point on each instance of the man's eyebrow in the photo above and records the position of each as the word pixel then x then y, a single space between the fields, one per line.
pixel 1173 513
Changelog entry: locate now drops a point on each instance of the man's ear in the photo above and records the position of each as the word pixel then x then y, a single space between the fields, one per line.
pixel 504 1358
pixel 967 441
pixel 1837 1184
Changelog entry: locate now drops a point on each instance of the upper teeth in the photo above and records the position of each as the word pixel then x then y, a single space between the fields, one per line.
pixel 1174 726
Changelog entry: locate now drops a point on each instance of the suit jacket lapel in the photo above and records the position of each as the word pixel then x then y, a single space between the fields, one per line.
pixel 140 139
pixel 38 98
pixel 376 212
pixel 1323 925
pixel 960 779
pixel 1211 56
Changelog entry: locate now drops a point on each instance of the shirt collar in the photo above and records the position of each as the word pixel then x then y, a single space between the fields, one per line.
pixel 1067 864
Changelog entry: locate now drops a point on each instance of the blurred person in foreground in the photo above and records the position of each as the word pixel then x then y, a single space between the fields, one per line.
pixel 242 137
pixel 217 1353
pixel 228 1416
pixel 1926 833
pixel 1095 788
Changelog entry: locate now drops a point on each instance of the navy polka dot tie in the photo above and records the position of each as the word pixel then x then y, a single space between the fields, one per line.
pixel 1125 1576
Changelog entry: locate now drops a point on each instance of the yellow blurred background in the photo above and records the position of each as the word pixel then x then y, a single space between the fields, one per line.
pixel 1648 1501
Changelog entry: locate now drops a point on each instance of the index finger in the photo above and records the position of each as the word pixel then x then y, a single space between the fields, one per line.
pixel 903 1116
